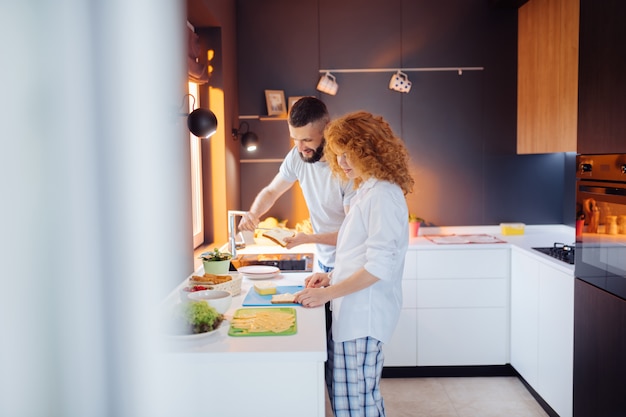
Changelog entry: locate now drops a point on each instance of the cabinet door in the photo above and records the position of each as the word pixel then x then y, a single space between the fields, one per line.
pixel 547 76
pixel 462 336
pixel 602 85
pixel 402 348
pixel 524 315
pixel 463 307
pixel 556 339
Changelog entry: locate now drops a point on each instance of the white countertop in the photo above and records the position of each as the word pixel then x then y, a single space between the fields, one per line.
pixel 534 236
pixel 308 344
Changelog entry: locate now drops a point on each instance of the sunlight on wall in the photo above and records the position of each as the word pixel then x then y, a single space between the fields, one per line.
pixel 218 168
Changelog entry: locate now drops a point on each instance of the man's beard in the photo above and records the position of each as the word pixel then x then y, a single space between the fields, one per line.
pixel 317 154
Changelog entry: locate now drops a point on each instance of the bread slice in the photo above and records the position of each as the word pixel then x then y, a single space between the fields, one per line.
pixel 278 235
pixel 265 288
pixel 285 298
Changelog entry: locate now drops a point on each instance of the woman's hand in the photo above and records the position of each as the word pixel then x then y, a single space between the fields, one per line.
pixel 313 297
pixel 318 279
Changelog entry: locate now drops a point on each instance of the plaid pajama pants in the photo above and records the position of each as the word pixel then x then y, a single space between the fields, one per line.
pixel 353 374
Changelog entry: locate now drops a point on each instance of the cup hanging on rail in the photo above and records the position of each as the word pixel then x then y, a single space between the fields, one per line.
pixel 400 82
pixel 328 84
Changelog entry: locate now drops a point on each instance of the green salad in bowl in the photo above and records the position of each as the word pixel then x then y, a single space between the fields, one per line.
pixel 192 318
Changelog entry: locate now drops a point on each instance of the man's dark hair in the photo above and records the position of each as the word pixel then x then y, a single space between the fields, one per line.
pixel 308 110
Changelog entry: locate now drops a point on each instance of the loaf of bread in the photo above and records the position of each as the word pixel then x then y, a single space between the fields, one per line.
pixel 286 298
pixel 278 235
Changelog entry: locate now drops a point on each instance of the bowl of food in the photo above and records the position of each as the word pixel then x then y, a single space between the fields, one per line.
pixel 191 320
pixel 218 299
pixel 226 282
pixel 188 289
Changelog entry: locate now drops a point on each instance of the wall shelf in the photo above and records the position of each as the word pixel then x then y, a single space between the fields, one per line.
pixel 261 118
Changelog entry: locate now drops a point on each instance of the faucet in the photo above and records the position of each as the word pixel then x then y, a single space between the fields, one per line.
pixel 232 231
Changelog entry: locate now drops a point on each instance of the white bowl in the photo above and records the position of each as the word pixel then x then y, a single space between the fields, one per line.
pixel 185 291
pixel 219 300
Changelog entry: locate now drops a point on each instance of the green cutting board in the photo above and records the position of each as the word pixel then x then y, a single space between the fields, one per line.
pixel 242 332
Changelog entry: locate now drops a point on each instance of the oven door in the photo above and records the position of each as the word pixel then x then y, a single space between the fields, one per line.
pixel 601 241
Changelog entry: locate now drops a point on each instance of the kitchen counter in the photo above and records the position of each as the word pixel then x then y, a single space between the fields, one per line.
pixel 255 375
pixel 534 236
pixel 284 375
pixel 309 343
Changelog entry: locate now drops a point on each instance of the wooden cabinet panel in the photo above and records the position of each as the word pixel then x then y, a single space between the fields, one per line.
pixel 547 102
pixel 602 84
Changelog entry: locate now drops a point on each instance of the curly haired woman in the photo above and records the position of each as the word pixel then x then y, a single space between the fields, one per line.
pixel 365 289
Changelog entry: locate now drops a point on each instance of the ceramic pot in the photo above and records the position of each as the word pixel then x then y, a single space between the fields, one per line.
pixel 216 267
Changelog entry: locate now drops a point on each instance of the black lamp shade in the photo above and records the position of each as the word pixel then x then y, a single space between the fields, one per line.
pixel 202 123
pixel 250 141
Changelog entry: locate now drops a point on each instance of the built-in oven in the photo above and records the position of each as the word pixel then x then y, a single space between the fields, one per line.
pixel 600 256
pixel 600 287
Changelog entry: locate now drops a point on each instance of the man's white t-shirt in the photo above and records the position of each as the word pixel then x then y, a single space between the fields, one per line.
pixel 375 235
pixel 325 197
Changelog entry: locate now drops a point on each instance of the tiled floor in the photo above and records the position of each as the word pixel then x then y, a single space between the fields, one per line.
pixel 457 397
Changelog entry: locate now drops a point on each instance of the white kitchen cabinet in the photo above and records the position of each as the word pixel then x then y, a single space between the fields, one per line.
pixel 524 315
pixel 463 306
pixel 402 348
pixel 542 329
pixel 556 339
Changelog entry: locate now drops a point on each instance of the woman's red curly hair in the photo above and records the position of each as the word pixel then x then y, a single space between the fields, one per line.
pixel 371 146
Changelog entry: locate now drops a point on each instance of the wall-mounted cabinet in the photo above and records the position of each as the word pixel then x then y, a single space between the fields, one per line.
pixel 547 98
pixel 602 77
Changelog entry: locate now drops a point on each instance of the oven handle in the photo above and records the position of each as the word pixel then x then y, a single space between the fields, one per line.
pixel 602 191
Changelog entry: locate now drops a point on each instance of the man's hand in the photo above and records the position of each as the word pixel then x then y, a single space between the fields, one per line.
pixel 299 238
pixel 248 222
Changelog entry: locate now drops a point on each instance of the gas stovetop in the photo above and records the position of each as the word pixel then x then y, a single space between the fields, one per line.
pixel 559 251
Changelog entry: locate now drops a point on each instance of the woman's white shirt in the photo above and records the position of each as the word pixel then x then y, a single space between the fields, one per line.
pixel 374 235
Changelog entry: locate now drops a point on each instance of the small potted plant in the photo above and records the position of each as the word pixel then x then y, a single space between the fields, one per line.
pixel 414 225
pixel 216 262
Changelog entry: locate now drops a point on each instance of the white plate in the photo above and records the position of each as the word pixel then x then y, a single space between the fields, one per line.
pixel 261 276
pixel 258 270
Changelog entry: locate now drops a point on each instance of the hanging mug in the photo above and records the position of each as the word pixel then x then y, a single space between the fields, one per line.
pixel 400 82
pixel 328 84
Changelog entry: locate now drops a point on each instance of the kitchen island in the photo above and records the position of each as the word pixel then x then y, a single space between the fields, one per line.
pixel 224 375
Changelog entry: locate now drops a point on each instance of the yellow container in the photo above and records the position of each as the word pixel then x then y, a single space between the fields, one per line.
pixel 512 228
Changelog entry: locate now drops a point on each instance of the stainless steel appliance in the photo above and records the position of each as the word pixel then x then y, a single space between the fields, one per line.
pixel 600 287
pixel 601 232
pixel 559 251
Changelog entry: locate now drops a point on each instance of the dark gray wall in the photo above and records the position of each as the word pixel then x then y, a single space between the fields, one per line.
pixel 460 129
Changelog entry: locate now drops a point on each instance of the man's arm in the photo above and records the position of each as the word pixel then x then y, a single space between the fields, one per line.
pixel 302 238
pixel 263 202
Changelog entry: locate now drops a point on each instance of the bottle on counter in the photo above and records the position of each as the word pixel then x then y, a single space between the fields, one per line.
pixel 611 225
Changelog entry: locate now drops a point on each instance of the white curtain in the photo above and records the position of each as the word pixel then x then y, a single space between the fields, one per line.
pixel 95 213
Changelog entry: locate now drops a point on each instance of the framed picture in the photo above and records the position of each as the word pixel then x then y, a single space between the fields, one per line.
pixel 275 100
pixel 292 100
